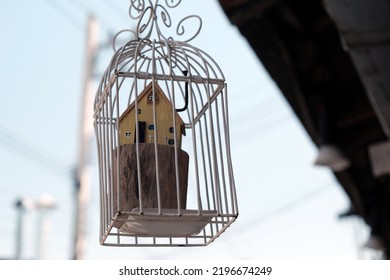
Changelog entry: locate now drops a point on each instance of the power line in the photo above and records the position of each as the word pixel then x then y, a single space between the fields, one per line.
pixel 68 16
pixel 115 9
pixel 86 10
pixel 285 207
pixel 282 208
pixel 21 146
pixel 260 128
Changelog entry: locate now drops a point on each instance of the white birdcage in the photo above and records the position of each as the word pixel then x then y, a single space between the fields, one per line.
pixel 162 130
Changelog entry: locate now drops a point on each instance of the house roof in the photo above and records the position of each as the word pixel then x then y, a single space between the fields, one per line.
pixel 144 93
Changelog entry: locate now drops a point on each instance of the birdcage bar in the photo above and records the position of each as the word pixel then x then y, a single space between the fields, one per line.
pixel 212 158
pixel 156 141
pixel 107 178
pixel 155 130
pixel 103 165
pixel 114 81
pixel 177 175
pixel 102 174
pixel 166 77
pixel 195 149
pixel 113 140
pixel 209 151
pixel 204 167
pixel 222 152
pixel 225 113
pixel 137 146
pixel 110 183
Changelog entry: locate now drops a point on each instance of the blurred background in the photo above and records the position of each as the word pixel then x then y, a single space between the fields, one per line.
pixel 289 208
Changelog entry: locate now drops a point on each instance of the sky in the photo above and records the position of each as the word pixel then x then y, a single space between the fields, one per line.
pixel 288 207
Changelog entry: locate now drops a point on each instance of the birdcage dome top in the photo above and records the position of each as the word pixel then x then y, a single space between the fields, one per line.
pixel 152 55
pixel 165 59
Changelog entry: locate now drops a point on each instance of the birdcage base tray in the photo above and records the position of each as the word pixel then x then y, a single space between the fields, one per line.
pixel 168 224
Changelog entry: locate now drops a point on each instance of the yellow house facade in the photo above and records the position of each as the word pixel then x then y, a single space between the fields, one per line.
pixel 164 126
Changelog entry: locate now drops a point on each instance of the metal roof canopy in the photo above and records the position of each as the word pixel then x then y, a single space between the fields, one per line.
pixel 330 60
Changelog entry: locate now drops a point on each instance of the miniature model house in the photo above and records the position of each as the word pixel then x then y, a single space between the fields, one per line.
pixel 146 126
pixel 159 126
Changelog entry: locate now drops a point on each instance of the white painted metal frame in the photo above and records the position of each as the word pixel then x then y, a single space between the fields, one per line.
pixel 211 197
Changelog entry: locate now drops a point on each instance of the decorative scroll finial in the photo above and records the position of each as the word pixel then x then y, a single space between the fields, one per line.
pixel 154 18
pixel 151 17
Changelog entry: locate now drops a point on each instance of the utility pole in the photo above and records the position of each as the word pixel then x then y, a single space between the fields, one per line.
pixel 82 176
pixel 43 205
pixel 22 204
